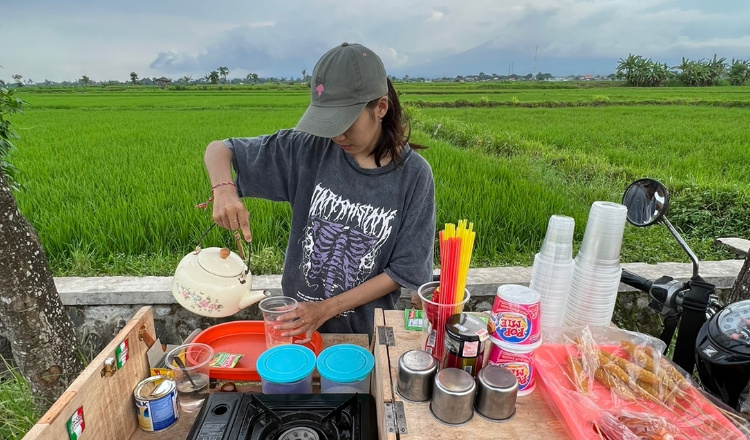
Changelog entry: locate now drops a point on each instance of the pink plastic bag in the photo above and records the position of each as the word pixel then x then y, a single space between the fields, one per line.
pixel 577 368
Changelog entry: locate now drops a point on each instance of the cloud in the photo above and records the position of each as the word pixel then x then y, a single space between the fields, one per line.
pixel 107 40
pixel 436 16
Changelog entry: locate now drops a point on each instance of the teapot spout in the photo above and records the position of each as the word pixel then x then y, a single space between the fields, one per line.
pixel 253 297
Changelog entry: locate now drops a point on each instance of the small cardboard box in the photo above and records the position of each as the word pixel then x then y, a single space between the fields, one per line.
pixel 157 354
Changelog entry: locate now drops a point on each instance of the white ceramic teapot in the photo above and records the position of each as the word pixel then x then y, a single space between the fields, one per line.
pixel 214 282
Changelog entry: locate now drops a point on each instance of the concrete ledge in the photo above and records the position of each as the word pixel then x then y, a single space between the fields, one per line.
pixel 739 246
pixel 481 282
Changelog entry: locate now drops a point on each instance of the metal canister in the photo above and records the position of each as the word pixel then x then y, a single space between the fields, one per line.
pixel 464 343
pixel 453 396
pixel 156 403
pixel 497 388
pixel 416 374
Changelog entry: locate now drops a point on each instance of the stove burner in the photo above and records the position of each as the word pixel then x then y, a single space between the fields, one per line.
pixel 301 433
pixel 250 416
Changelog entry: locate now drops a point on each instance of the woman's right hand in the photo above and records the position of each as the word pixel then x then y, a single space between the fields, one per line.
pixel 229 211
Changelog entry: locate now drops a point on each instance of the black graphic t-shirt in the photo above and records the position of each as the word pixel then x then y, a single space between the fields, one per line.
pixel 349 224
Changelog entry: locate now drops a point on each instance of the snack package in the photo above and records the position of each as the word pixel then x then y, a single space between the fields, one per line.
pixel 413 319
pixel 225 360
pixel 611 384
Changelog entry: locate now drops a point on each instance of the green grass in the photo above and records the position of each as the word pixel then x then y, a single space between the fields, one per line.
pixel 110 178
pixel 17 411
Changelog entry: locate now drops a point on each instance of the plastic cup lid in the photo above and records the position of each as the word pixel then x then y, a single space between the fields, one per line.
pixel 345 363
pixel 285 363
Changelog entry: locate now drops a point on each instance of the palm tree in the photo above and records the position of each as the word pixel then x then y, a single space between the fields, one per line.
pixel 213 77
pixel 133 78
pixel 223 71
pixel 739 72
pixel 717 68
pixel 627 68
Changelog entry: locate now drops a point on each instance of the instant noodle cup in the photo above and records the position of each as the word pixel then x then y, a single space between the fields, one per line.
pixel 520 363
pixel 515 321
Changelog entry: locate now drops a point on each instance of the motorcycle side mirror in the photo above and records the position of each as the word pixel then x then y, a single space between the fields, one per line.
pixel 647 201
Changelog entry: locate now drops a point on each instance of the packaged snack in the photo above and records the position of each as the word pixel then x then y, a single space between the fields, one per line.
pixel 225 360
pixel 607 383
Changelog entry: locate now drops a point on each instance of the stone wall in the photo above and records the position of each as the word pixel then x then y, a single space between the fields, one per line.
pixel 100 307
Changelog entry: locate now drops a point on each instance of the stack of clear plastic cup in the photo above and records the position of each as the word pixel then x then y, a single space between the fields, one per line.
pixel 553 270
pixel 596 274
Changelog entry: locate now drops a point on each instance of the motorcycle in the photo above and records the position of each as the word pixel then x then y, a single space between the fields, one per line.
pixel 711 336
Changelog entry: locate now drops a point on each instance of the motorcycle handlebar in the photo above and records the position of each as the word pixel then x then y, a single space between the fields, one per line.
pixel 636 281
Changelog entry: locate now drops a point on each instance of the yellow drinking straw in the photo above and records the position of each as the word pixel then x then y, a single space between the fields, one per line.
pixel 467 244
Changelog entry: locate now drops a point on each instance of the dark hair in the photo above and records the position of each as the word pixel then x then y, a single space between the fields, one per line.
pixel 395 126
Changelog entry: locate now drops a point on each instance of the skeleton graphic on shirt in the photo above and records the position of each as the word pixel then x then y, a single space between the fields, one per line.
pixel 342 241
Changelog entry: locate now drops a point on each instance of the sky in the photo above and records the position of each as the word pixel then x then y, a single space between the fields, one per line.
pixel 60 40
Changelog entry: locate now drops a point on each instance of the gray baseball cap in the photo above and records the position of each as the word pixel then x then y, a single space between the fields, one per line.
pixel 343 81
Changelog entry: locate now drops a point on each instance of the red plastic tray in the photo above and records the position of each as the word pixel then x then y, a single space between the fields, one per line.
pixel 247 338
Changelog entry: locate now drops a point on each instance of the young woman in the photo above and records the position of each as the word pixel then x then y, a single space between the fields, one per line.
pixel 363 201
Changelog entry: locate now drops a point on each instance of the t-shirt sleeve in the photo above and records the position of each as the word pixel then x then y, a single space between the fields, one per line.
pixel 263 165
pixel 412 260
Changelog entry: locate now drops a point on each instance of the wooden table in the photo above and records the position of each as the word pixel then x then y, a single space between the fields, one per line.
pixel 106 400
pixel 533 419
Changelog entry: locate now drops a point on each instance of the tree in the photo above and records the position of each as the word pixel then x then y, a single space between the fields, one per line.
pixel 741 288
pixel 32 316
pixel 85 80
pixel 18 79
pixel 213 77
pixel 163 82
pixel 223 71
pixel 304 75
pixel 739 72
pixel 133 78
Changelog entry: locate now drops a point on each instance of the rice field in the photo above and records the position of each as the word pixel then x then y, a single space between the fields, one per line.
pixel 110 177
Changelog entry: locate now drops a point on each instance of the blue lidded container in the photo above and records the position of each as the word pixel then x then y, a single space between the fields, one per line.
pixel 345 368
pixel 286 369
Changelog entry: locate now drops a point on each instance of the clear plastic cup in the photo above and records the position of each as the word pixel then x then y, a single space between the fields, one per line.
pixel 436 315
pixel 558 241
pixel 272 308
pixel 552 281
pixel 602 239
pixel 190 366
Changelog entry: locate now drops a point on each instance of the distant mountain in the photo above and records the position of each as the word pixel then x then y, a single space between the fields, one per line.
pixel 489 60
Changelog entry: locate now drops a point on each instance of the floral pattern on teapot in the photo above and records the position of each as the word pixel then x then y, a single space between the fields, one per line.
pixel 198 301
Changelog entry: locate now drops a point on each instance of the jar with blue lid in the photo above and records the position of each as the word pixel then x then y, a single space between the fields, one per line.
pixel 286 369
pixel 345 368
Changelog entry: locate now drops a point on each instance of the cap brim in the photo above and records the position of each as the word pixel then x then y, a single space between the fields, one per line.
pixel 329 122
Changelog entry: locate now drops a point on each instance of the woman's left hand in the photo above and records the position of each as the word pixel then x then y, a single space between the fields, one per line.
pixel 305 319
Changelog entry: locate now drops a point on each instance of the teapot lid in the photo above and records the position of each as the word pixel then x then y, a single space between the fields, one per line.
pixel 210 259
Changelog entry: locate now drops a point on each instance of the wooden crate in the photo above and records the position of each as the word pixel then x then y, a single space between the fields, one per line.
pixel 403 420
pixel 107 401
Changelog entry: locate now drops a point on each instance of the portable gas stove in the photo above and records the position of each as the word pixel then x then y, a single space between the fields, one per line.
pixel 253 416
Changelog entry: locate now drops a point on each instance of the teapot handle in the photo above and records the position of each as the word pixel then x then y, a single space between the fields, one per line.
pixel 238 242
